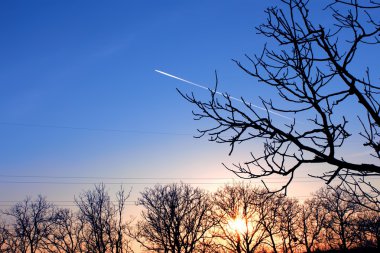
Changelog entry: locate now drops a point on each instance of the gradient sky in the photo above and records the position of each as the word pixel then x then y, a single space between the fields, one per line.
pixel 79 96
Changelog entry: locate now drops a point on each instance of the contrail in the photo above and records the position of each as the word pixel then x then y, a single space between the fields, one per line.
pixel 219 93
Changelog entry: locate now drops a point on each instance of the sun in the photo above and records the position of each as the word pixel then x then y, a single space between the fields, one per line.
pixel 237 225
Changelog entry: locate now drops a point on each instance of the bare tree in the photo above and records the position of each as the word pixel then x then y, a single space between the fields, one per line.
pixel 312 72
pixel 104 229
pixel 340 229
pixel 122 241
pixel 360 191
pixel 368 229
pixel 66 233
pixel 32 222
pixel 312 223
pixel 289 220
pixel 269 218
pixel 5 237
pixel 174 219
pixel 235 212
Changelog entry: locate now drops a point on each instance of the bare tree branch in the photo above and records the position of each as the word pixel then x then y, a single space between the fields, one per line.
pixel 312 74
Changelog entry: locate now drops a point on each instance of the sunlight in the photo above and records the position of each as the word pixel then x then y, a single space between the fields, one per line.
pixel 237 225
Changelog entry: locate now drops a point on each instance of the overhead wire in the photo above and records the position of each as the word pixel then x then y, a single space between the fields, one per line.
pixel 133 183
pixel 125 178
pixel 70 180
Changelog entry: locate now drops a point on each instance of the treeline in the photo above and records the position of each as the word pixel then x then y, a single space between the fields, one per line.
pixel 180 218
pixel 98 225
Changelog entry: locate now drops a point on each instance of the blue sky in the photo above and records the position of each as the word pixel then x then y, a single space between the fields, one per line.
pixel 71 72
pixel 90 65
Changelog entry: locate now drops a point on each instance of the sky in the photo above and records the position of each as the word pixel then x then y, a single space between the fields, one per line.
pixel 80 102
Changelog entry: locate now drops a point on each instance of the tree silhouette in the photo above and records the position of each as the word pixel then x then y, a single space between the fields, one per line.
pixel 179 218
pixel 312 222
pixel 5 238
pixel 270 219
pixel 341 222
pixel 368 229
pixel 175 218
pixel 310 67
pixel 104 227
pixel 238 203
pixel 289 220
pixel 33 224
pixel 67 233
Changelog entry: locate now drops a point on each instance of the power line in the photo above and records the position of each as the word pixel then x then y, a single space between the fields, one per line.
pixel 58 201
pixel 112 201
pixel 131 178
pixel 67 205
pixel 140 183
pixel 304 179
pixel 72 203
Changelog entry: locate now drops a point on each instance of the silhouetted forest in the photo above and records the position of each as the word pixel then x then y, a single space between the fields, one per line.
pixel 182 218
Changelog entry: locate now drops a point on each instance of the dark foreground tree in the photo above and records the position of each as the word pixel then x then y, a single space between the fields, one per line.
pixel 317 71
pixel 341 230
pixel 312 223
pixel 32 223
pixel 289 219
pixel 237 218
pixel 175 219
pixel 5 238
pixel 67 233
pixel 103 225
pixel 368 228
